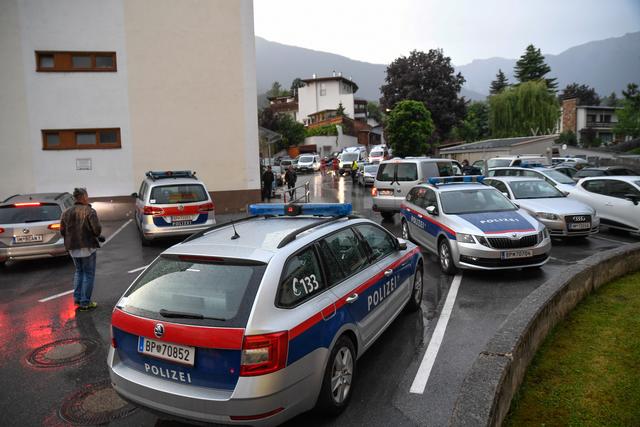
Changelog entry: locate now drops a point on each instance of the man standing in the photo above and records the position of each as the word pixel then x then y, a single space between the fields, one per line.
pixel 290 178
pixel 267 182
pixel 80 228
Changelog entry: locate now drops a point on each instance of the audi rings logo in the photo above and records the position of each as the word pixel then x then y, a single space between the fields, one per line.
pixel 159 330
pixel 579 218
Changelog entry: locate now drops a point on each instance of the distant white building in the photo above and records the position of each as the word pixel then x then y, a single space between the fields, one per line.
pixel 324 95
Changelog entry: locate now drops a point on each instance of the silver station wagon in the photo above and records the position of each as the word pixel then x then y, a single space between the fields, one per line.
pixel 256 321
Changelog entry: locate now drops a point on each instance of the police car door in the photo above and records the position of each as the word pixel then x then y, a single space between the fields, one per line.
pixel 414 214
pixel 432 228
pixel 350 273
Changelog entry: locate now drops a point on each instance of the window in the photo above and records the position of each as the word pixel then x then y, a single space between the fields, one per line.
pixel 302 279
pixel 620 189
pixel 445 169
pixel 323 89
pixel 379 241
pixel 347 250
pixel 332 268
pixel 416 196
pixel 73 139
pixel 595 186
pixel 386 172
pixel 407 172
pixel 430 198
pixel 500 186
pixel 66 61
pixel 177 193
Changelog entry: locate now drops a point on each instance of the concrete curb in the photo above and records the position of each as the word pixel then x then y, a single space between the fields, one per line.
pixel 497 373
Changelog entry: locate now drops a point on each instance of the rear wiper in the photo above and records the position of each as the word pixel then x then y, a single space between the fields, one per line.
pixel 183 315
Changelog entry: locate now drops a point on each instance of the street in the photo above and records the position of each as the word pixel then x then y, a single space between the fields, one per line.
pixel 409 377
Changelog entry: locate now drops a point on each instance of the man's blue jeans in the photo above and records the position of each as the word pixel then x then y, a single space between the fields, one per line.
pixel 83 278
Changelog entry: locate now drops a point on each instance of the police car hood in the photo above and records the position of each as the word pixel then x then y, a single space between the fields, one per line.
pixel 556 205
pixel 496 222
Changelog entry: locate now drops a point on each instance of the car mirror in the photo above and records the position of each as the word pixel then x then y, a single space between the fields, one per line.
pixel 633 197
pixel 402 244
pixel 506 195
pixel 432 210
pixel 134 195
pixel 565 193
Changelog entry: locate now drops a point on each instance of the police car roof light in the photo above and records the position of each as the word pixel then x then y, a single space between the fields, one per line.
pixel 170 174
pixel 456 179
pixel 317 209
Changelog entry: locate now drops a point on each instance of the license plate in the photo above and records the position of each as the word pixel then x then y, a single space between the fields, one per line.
pixel 178 223
pixel 580 226
pixel 181 218
pixel 173 352
pixel 29 238
pixel 386 192
pixel 525 253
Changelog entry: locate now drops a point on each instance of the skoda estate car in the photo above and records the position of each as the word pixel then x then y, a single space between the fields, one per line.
pixel 172 203
pixel 256 321
pixel 472 226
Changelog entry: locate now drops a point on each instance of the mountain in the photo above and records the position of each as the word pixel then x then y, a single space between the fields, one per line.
pixel 607 65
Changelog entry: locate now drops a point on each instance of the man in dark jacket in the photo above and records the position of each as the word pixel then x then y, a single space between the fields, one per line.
pixel 267 183
pixel 80 227
pixel 290 178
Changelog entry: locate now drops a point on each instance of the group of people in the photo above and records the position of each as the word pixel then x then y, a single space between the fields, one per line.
pixel 268 179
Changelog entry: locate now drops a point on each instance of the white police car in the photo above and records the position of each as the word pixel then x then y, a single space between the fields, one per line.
pixel 473 226
pixel 256 321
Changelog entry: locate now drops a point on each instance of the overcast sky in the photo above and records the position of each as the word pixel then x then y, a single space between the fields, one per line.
pixel 381 30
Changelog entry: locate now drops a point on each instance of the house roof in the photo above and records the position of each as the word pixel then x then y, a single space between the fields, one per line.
pixel 496 143
pixel 336 78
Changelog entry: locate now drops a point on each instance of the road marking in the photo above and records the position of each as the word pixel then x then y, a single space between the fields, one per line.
pixel 609 240
pixel 137 269
pixel 422 376
pixel 61 294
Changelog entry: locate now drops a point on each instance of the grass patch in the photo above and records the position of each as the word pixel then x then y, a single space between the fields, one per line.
pixel 587 372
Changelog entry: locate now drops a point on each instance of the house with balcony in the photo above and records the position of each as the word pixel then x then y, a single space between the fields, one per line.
pixel 284 105
pixel 583 119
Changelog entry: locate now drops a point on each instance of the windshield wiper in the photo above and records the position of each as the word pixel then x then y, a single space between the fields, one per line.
pixel 183 315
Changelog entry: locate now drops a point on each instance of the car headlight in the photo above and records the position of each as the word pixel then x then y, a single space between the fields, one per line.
pixel 465 238
pixel 547 215
pixel 543 234
pixel 482 240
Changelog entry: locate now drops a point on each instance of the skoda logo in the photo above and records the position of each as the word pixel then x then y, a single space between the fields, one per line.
pixel 158 330
pixel 579 218
pixel 180 207
pixel 25 230
pixel 514 235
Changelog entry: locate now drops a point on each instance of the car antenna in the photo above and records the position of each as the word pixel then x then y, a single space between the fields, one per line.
pixel 235 232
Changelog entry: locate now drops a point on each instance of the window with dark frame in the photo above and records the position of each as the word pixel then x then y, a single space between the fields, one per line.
pixel 69 61
pixel 80 139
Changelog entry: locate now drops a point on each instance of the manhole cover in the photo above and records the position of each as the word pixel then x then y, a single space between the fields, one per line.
pixel 62 352
pixel 95 404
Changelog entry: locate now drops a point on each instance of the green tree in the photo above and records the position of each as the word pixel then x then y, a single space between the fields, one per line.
pixel 531 67
pixel 340 110
pixel 374 112
pixel 277 90
pixel 296 84
pixel 523 110
pixel 499 83
pixel 612 100
pixel 430 78
pixel 292 132
pixel 586 95
pixel 408 128
pixel 629 115
pixel 567 137
pixel 475 125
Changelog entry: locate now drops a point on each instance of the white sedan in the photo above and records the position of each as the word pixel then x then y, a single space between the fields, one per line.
pixel 616 198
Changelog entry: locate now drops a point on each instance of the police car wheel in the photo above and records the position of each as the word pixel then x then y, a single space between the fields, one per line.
pixel 445 257
pixel 405 230
pixel 335 393
pixel 416 295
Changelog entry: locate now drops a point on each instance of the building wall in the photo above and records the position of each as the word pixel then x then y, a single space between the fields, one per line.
pixel 569 108
pixel 310 101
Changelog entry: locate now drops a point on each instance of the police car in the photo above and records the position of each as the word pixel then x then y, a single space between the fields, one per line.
pixel 172 203
pixel 470 225
pixel 256 321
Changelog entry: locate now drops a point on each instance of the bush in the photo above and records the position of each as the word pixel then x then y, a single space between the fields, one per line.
pixel 325 130
pixel 567 137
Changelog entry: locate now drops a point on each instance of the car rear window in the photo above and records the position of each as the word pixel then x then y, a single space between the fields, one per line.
pixel 586 173
pixel 220 292
pixel 407 172
pixel 12 214
pixel 385 172
pixel 376 153
pixel 445 169
pixel 306 159
pixel 178 193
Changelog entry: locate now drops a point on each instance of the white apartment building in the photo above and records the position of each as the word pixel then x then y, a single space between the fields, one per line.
pixel 95 93
pixel 324 95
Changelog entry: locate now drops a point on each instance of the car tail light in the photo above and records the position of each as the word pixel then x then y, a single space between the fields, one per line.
pixel 152 210
pixel 255 417
pixel 207 207
pixel 55 226
pixel 262 354
pixel 26 204
pixel 114 344
pixel 374 192
pixel 1 230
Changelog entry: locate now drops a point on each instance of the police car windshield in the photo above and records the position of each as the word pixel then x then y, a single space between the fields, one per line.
pixel 206 293
pixel 534 189
pixel 474 201
pixel 177 193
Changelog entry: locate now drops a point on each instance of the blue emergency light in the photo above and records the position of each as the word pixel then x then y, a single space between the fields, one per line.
pixel 154 175
pixel 456 179
pixel 294 209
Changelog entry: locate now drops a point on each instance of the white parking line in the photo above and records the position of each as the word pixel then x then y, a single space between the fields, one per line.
pixel 137 269
pixel 420 381
pixel 61 294
pixel 609 240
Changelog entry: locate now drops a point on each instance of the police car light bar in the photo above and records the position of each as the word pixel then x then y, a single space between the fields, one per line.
pixel 456 179
pixel 318 209
pixel 170 174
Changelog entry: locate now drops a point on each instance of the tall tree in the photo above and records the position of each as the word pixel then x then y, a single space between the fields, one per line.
pixel 531 67
pixel 374 112
pixel 612 100
pixel 408 128
pixel 340 110
pixel 475 125
pixel 499 83
pixel 523 110
pixel 277 90
pixel 430 78
pixel 629 115
pixel 296 84
pixel 586 95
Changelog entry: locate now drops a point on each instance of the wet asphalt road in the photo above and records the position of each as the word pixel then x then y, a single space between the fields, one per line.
pixel 33 396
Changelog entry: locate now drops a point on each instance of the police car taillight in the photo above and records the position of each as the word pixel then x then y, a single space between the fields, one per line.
pixel 153 210
pixel 263 354
pixel 374 192
pixel 207 207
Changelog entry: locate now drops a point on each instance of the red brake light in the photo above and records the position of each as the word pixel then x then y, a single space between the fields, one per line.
pixel 1 230
pixel 207 207
pixel 374 191
pixel 26 204
pixel 263 354
pixel 255 417
pixel 152 210
pixel 114 344
pixel 55 226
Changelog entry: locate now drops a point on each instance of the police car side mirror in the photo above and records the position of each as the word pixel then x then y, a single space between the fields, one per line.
pixel 134 195
pixel 402 244
pixel 634 198
pixel 432 210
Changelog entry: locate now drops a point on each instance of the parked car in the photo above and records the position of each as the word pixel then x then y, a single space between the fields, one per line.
pixel 378 154
pixel 605 171
pixel 30 226
pixel 570 161
pixel 530 160
pixel 172 203
pixel 278 174
pixel 308 163
pixel 347 158
pixel 367 174
pixel 259 321
pixel 472 226
pixel 616 198
pixel 396 177
pixel 567 170
pixel 563 217
pixel 285 163
pixel 556 178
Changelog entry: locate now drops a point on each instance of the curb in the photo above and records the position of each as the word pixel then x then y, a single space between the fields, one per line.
pixel 498 371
